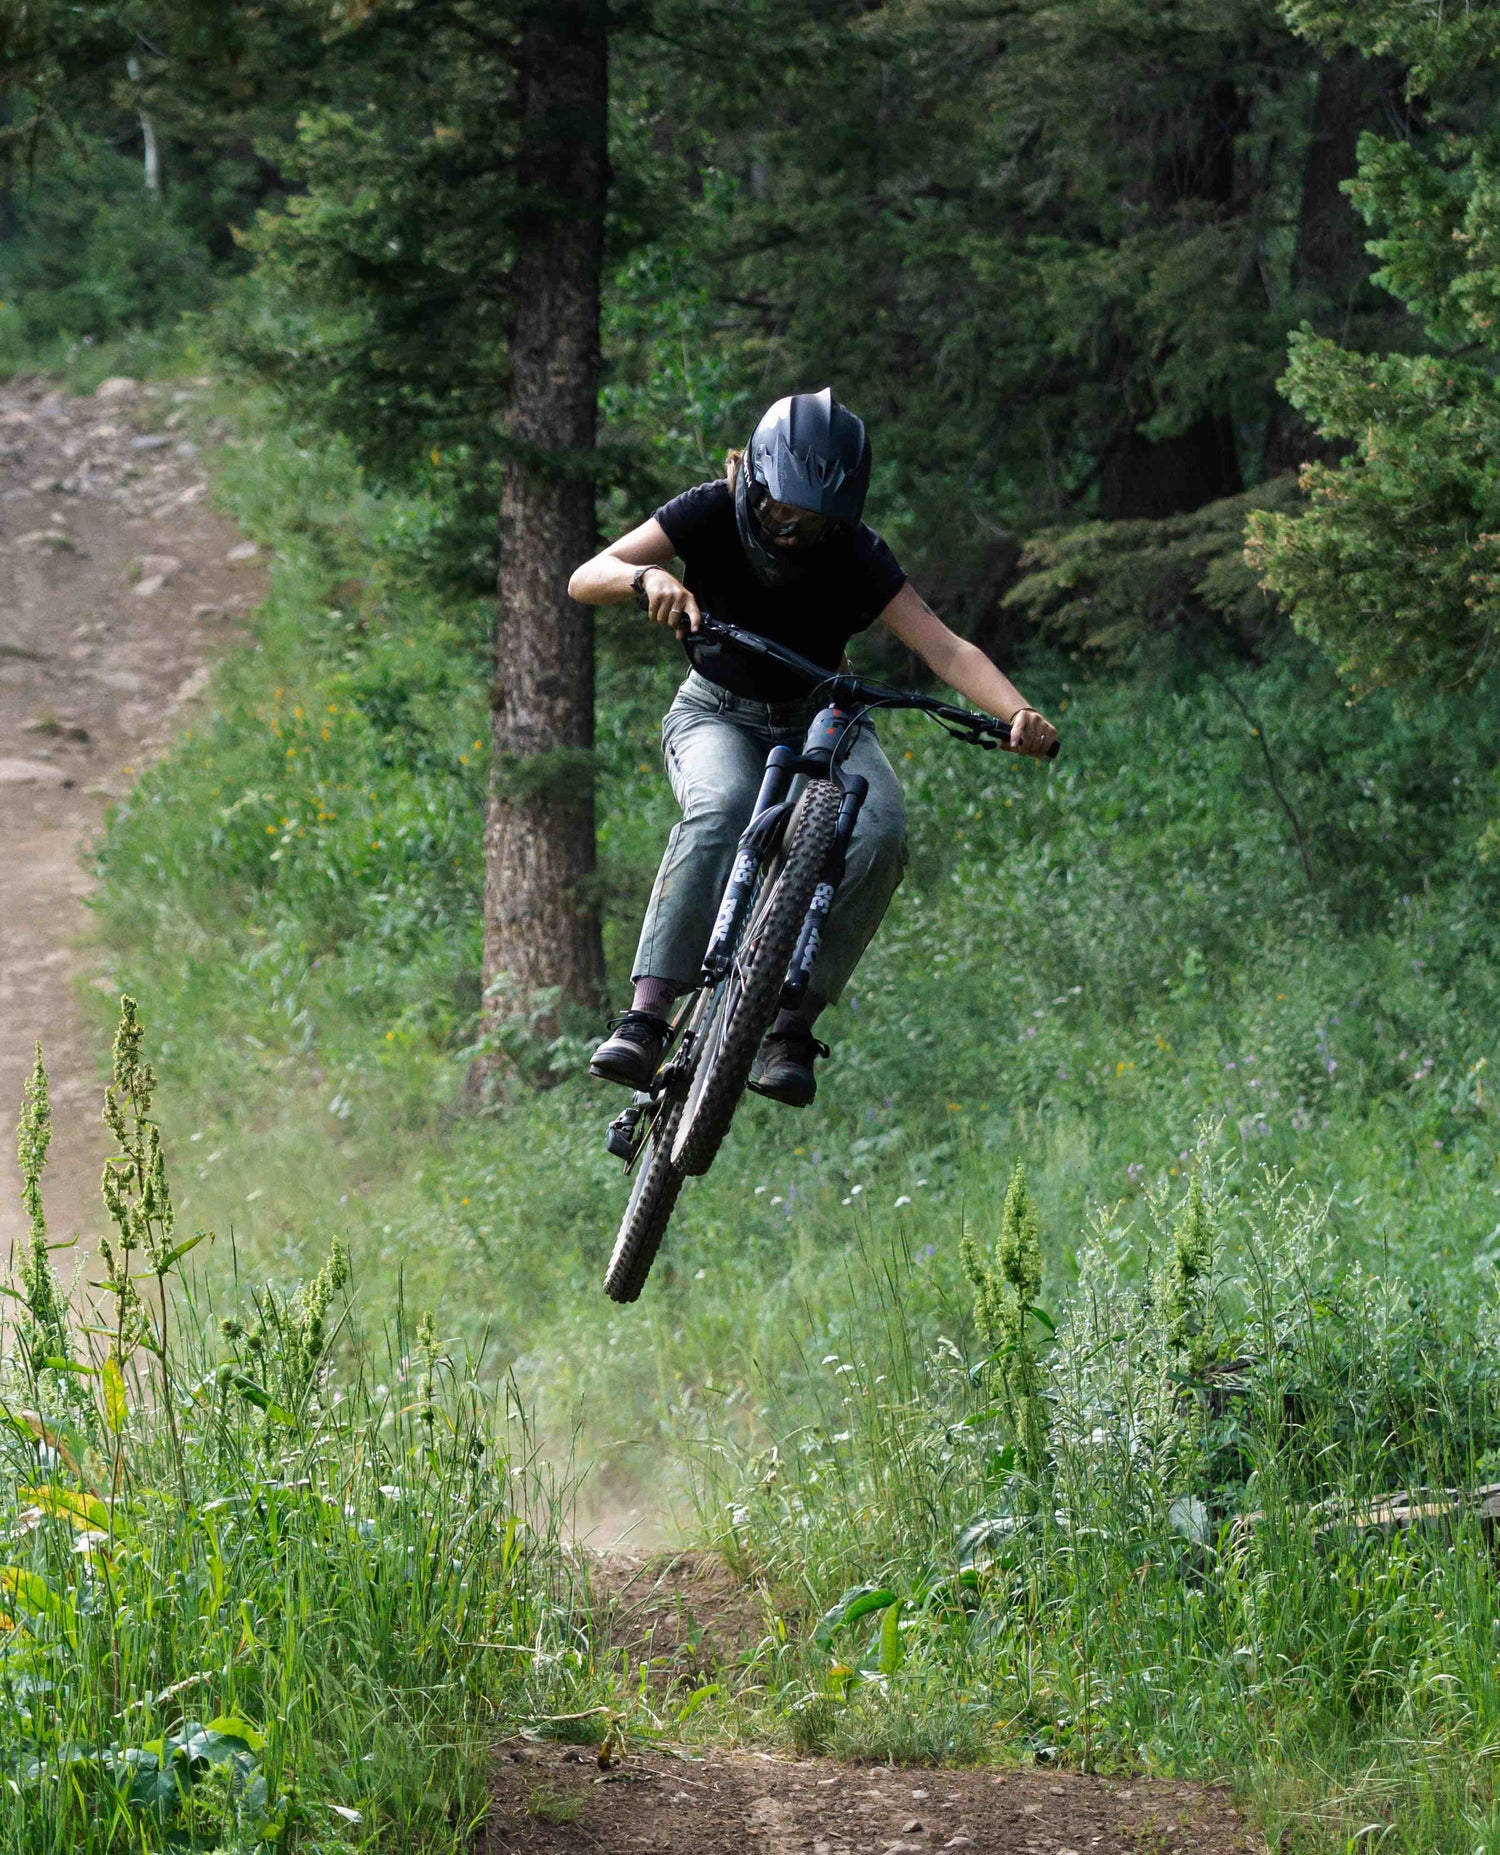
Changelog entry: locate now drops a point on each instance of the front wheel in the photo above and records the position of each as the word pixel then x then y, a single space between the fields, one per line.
pixel 745 1000
pixel 652 1198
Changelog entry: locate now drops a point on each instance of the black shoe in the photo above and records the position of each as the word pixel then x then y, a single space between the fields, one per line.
pixel 632 1050
pixel 784 1069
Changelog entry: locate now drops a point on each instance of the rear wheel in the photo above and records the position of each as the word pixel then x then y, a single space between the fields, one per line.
pixel 744 1002
pixel 652 1198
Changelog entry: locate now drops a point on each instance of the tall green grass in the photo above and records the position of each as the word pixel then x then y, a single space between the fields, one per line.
pixel 1156 1526
pixel 1083 966
pixel 266 1585
pixel 1081 963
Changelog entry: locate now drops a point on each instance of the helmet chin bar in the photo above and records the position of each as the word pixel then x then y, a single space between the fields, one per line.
pixel 772 566
pixel 811 453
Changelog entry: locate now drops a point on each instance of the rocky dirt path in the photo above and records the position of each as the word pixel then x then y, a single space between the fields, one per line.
pixel 688 1621
pixel 118 583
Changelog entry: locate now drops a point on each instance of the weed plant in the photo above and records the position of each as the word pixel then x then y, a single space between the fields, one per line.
pixel 251 1599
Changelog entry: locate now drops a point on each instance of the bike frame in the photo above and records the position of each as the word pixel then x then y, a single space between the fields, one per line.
pixel 830 735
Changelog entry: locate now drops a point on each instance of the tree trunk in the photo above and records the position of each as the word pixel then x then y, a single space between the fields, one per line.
pixel 1145 479
pixel 1149 478
pixel 1330 266
pixel 541 917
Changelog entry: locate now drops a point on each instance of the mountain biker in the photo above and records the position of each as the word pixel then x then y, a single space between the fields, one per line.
pixel 777 547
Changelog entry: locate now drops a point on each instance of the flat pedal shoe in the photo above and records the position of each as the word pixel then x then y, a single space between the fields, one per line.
pixel 783 1071
pixel 632 1051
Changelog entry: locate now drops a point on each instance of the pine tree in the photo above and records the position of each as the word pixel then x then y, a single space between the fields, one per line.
pixel 1395 567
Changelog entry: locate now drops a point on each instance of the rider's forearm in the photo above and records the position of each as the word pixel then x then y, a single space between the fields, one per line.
pixel 966 669
pixel 604 580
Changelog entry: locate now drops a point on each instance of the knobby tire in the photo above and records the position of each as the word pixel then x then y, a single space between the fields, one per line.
pixel 652 1197
pixel 748 996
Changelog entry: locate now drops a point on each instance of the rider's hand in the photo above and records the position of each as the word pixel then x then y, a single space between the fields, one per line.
pixel 1031 733
pixel 669 602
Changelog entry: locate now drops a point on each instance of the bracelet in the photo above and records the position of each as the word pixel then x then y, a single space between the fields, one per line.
pixel 638 588
pixel 1024 709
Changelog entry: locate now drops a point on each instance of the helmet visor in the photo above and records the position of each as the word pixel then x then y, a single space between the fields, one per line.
pixel 783 523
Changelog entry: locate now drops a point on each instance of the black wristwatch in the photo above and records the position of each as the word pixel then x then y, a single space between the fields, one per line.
pixel 638 587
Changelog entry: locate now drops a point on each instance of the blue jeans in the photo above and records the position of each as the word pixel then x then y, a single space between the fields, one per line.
pixel 715 745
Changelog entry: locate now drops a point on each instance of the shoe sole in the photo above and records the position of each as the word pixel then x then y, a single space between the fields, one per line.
pixel 798 1100
pixel 636 1081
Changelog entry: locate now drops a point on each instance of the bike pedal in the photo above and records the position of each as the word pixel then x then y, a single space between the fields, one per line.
pixel 622 1140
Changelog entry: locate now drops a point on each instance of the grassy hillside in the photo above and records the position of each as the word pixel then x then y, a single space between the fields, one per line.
pixel 1241 933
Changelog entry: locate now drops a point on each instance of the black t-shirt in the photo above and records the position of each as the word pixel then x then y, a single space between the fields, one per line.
pixel 850 579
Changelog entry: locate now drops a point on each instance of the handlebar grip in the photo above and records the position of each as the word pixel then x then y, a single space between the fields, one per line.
pixel 1054 750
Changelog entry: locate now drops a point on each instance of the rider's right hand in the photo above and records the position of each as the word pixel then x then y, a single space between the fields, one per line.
pixel 668 601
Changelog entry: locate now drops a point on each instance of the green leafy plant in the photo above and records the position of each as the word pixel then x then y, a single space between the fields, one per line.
pixel 1005 1310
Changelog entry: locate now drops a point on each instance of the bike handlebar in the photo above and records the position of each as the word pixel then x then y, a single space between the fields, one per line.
pixel 972 725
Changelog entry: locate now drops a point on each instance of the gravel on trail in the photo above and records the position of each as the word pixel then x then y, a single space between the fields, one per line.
pixel 705 1800
pixel 119 584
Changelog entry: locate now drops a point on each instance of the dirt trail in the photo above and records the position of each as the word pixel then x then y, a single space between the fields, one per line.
pixel 696 1800
pixel 688 1622
pixel 117 589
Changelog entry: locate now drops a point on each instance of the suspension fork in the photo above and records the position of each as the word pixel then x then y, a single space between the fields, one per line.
pixel 810 939
pixel 781 769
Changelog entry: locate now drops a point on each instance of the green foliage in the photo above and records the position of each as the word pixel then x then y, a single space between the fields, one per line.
pixel 380 304
pixel 1214 1584
pixel 44 1331
pixel 1004 1295
pixel 1178 589
pixel 1083 962
pixel 199 1619
pixel 1392 568
pixel 1186 1285
pixel 91 256
pixel 1058 251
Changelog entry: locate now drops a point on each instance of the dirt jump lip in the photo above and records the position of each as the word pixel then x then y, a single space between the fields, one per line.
pixel 707 1800
pixel 687 1623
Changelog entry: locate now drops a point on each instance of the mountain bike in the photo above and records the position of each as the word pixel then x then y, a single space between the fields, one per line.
pixel 765 940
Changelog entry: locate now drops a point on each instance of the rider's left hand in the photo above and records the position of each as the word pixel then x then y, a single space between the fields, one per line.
pixel 1031 733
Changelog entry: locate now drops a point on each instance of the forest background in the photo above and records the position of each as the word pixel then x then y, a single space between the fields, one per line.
pixel 1175 328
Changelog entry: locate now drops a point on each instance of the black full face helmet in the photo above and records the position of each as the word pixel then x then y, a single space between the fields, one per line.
pixel 804 472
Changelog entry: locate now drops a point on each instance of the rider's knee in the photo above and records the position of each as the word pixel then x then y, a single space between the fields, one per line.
pixel 714 818
pixel 879 846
